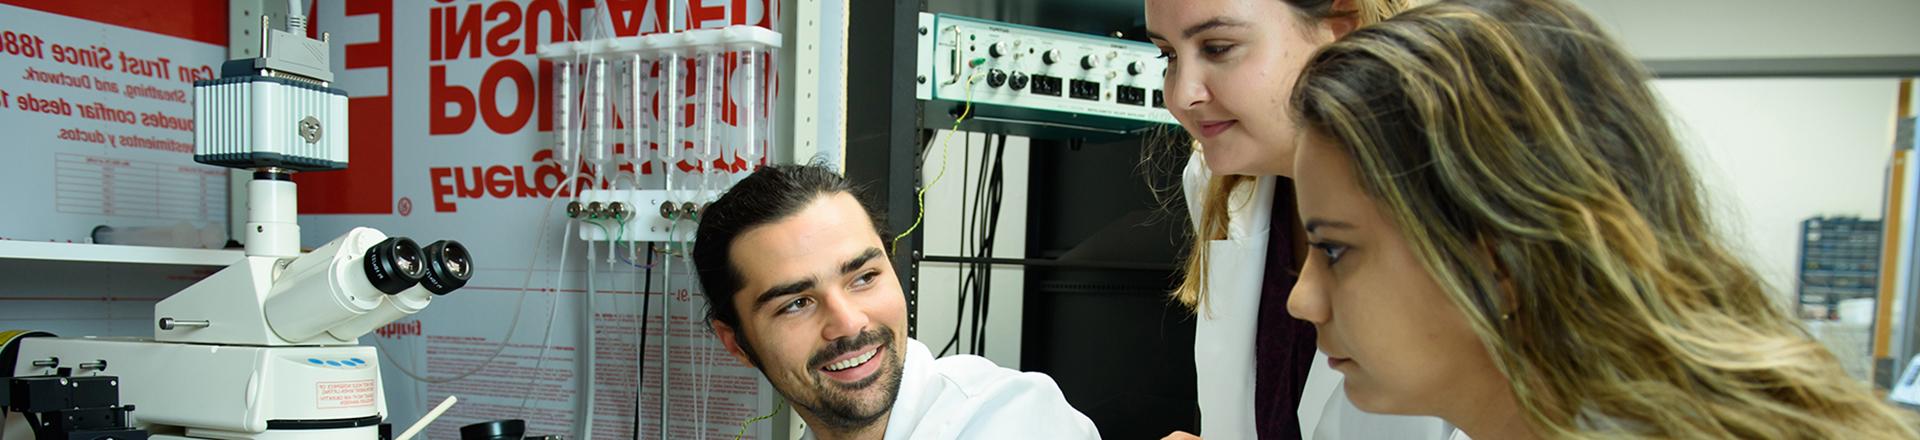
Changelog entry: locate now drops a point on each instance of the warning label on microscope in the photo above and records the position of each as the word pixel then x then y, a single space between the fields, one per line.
pixel 347 394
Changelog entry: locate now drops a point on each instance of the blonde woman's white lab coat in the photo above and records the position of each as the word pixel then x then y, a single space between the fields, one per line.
pixel 1223 345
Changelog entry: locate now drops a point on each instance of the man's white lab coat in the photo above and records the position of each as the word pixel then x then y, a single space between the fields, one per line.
pixel 968 397
pixel 1223 352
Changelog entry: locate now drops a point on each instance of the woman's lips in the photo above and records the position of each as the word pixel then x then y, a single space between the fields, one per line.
pixel 1211 129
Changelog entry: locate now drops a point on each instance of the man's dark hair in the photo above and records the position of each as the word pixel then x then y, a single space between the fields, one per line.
pixel 769 195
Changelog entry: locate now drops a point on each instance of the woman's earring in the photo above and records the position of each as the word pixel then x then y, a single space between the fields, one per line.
pixel 1506 316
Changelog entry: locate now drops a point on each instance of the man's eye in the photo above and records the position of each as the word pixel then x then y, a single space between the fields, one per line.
pixel 796 305
pixel 866 279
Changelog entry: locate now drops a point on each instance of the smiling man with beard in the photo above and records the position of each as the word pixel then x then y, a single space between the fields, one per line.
pixel 798 285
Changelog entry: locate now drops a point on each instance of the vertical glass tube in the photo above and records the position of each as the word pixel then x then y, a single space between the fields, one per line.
pixel 670 101
pixel 596 146
pixel 563 113
pixel 711 88
pixel 770 119
pixel 750 148
pixel 637 152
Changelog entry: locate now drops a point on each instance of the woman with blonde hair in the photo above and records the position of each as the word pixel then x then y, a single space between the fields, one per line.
pixel 1230 63
pixel 1507 236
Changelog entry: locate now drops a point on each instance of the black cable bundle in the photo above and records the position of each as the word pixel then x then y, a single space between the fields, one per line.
pixel 960 281
pixel 995 190
pixel 983 226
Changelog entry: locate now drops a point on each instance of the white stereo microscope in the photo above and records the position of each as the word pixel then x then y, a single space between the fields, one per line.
pixel 268 348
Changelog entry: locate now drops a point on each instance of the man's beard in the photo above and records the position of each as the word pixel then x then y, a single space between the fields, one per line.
pixel 834 408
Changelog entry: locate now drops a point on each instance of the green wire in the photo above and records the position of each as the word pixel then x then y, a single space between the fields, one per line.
pixel 622 231
pixel 757 419
pixel 603 228
pixel 893 248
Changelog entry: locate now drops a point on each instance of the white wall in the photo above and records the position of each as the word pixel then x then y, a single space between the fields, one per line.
pixel 939 282
pixel 1773 152
pixel 1719 29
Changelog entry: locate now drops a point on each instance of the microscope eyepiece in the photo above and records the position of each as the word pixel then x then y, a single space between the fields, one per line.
pixel 449 266
pixel 394 265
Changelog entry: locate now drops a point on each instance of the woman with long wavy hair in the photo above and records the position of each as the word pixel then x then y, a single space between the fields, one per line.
pixel 1507 235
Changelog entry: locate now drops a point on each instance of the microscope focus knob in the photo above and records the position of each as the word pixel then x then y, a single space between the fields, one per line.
pixel 170 323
